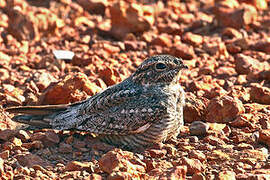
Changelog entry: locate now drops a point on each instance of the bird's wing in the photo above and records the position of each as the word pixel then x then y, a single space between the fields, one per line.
pixel 120 112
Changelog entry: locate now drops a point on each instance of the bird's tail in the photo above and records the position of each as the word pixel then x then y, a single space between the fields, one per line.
pixel 39 116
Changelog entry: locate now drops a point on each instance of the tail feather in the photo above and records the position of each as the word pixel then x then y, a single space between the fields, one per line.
pixel 39 116
pixel 37 110
pixel 33 120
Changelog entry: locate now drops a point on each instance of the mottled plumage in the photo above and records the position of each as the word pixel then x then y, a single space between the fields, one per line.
pixel 145 108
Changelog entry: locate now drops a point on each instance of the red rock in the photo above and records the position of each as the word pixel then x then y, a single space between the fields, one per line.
pixel 231 33
pixel 226 175
pixel 263 45
pixel 264 136
pixel 107 74
pixel 156 153
pixel 80 166
pixel 246 64
pixel 259 4
pixel 34 144
pixel 43 79
pixel 1 166
pixel 163 39
pixel 197 155
pixel 195 108
pixel 224 109
pixel 94 6
pixel 260 94
pixel 118 160
pixel 193 165
pixel 29 160
pixel 73 88
pixel 130 18
pixel 215 47
pixel 236 18
pixel 7 134
pixel 48 138
pixel 4 154
pixel 178 172
pixel 193 39
pixel 21 26
pixel 198 176
pixel 182 50
pixel 23 135
pixel 65 148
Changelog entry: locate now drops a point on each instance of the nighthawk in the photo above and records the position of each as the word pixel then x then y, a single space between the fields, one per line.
pixel 144 109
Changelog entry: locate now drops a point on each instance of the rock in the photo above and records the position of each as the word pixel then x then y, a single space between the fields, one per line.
pixel 260 94
pixel 118 160
pixel 43 79
pixel 197 155
pixel 236 18
pixel 48 138
pixel 231 33
pixel 1 166
pixel 262 45
pixel 178 172
pixel 224 109
pixel 193 165
pixel 23 135
pixel 182 50
pixel 198 176
pixel 163 39
pixel 65 148
pixel 264 136
pixel 94 6
pixel 226 175
pixel 73 88
pixel 156 153
pixel 7 134
pixel 193 39
pixel 79 166
pixel 33 145
pixel 108 75
pixel 21 26
pixel 198 128
pixel 246 64
pixel 195 108
pixel 130 18
pixel 29 160
pixel 4 154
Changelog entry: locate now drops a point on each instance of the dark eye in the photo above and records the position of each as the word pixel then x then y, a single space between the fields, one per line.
pixel 160 66
pixel 176 61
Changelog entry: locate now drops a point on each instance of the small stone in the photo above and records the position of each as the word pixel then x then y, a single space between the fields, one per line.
pixel 156 153
pixel 197 155
pixel 23 135
pixel 193 165
pixel 182 50
pixel 224 109
pixel 48 138
pixel 260 94
pixel 264 136
pixel 117 159
pixel 162 40
pixel 4 154
pixel 226 175
pixel 198 128
pixel 193 39
pixel 29 160
pixel 79 166
pixel 6 134
pixel 65 148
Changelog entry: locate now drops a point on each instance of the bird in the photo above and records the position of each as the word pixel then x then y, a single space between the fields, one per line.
pixel 142 110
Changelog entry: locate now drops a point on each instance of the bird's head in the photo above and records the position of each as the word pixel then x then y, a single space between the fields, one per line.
pixel 159 69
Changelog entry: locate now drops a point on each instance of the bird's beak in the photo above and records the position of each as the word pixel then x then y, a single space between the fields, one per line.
pixel 183 66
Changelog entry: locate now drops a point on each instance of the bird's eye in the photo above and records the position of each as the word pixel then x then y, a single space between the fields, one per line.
pixel 176 61
pixel 160 66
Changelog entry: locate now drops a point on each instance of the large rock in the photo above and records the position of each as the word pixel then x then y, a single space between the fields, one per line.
pixel 224 109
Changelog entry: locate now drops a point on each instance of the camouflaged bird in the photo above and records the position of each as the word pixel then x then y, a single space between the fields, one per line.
pixel 144 109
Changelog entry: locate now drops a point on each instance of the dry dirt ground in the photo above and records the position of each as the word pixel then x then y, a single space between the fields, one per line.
pixel 225 43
